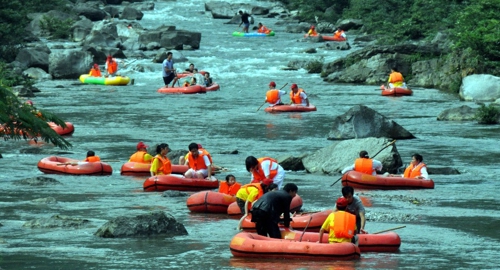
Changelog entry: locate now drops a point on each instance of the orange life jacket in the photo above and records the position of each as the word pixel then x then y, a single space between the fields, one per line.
pixel 364 165
pixel 338 34
pixel 225 188
pixel 112 67
pixel 273 96
pixel 254 185
pixel 139 157
pixel 264 30
pixel 166 167
pixel 95 72
pixel 344 224
pixel 295 98
pixel 312 32
pixel 413 171
pixel 199 163
pixel 258 174
pixel 396 77
pixel 93 159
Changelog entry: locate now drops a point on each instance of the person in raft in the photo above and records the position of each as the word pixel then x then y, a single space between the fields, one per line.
pixel 396 79
pixel 273 95
pixel 244 20
pixel 200 79
pixel 91 157
pixel 95 71
pixel 111 66
pixel 355 207
pixel 262 29
pixel 340 224
pixel 265 168
pixel 312 31
pixel 207 79
pixel 190 82
pixel 364 164
pixel 190 68
pixel 161 164
pixel 339 34
pixel 141 156
pixel 416 169
pixel 230 186
pixel 199 162
pixel 249 193
pixel 168 71
pixel 298 96
pixel 267 210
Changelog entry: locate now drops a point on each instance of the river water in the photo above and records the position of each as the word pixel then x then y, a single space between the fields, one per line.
pixel 454 226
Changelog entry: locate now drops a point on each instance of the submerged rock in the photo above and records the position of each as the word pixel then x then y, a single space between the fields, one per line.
pixel 154 223
pixel 38 181
pixel 174 193
pixel 57 221
pixel 290 163
pixel 462 113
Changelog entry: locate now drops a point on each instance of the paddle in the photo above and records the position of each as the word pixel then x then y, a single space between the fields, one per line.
pixel 392 229
pixel 389 144
pixel 266 101
pixel 307 225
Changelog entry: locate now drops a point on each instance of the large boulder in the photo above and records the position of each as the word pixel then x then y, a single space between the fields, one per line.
pixel 335 157
pixel 37 74
pixel 480 87
pixel 81 29
pixel 154 223
pixel 129 13
pixel 224 10
pixel 101 38
pixel 34 26
pixel 33 57
pixel 362 122
pixel 291 163
pixel 91 13
pixel 170 38
pixel 69 64
pixel 462 113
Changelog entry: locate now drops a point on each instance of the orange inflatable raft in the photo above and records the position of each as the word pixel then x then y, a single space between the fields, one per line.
pixel 142 169
pixel 398 91
pixel 172 182
pixel 213 87
pixel 310 221
pixel 187 73
pixel 68 130
pixel 209 202
pixel 384 242
pixel 290 108
pixel 234 210
pixel 247 244
pixel 333 38
pixel 193 89
pixel 368 181
pixel 63 165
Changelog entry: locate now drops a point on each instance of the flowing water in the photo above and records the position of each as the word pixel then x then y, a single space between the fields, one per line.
pixel 453 227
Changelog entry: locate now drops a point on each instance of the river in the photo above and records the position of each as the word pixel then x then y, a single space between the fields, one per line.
pixel 453 226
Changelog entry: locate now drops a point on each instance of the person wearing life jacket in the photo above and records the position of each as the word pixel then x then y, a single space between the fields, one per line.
pixel 340 224
pixel 273 96
pixel 249 193
pixel 298 96
pixel 91 157
pixel 95 71
pixel 339 34
pixel 262 29
pixel 416 169
pixel 161 164
pixel 364 164
pixel 190 82
pixel 230 186
pixel 355 206
pixel 312 31
pixel 141 156
pixel 111 66
pixel 396 79
pixel 265 168
pixel 199 162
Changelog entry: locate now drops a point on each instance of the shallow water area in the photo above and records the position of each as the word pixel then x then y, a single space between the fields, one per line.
pixel 449 227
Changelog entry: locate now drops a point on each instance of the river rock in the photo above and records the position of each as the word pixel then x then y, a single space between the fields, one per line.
pixel 113 2
pixel 177 56
pixel 37 74
pixel 337 45
pixel 362 122
pixel 81 29
pixel 154 223
pixel 349 24
pixel 442 170
pixel 69 64
pixel 34 25
pixel 34 57
pixel 38 181
pixel 174 155
pixel 462 113
pixel 48 200
pixel 91 13
pixel 174 194
pixel 170 38
pixel 297 28
pixel 57 221
pixel 480 87
pixel 226 10
pixel 229 152
pixel 24 91
pixel 335 157
pixel 130 13
pixel 291 163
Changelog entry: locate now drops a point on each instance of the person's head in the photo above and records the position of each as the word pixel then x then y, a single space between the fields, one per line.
pixel 96 66
pixel 193 80
pixel 240 12
pixel 142 146
pixel 207 74
pixel 313 27
pixel 251 162
pixel 342 203
pixel 294 87
pixel 193 148
pixel 272 85
pixel 363 154
pixel 291 188
pixel 162 149
pixel 348 193
pixel 416 159
pixel 272 187
pixel 260 25
pixel 266 183
pixel 195 70
pixel 200 146
pixel 169 55
pixel 230 179
pixel 339 29
pixel 394 69
pixel 90 153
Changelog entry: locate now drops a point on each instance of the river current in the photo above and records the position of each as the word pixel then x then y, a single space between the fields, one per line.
pixel 453 226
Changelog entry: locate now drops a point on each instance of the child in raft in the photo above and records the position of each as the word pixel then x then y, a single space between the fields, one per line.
pixel 230 186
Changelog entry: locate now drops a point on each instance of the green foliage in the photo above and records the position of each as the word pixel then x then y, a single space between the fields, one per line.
pixel 310 9
pixel 9 78
pixel 315 66
pixel 20 121
pixel 488 115
pixel 55 27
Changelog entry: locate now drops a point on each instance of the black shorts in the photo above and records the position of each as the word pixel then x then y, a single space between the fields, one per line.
pixel 169 78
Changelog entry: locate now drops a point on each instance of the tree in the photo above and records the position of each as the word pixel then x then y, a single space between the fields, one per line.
pixel 23 121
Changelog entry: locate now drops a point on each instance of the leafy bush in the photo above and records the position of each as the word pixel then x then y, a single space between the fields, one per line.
pixel 56 28
pixel 9 78
pixel 488 115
